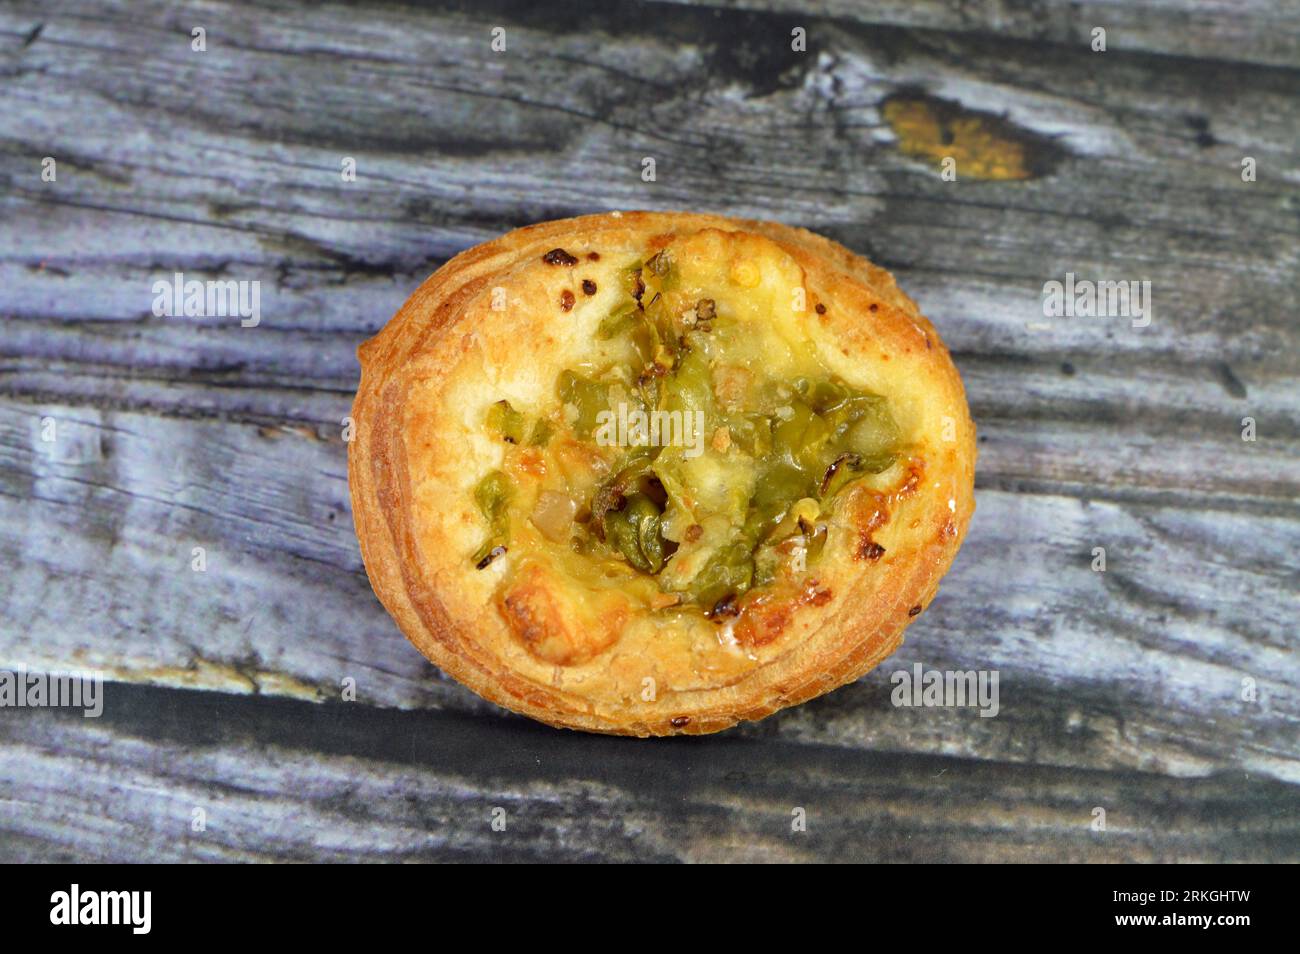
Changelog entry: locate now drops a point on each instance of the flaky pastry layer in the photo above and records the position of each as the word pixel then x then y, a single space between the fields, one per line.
pixel 499 322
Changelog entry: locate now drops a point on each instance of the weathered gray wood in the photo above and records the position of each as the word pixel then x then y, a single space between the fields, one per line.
pixel 331 286
pixel 176 433
pixel 1099 427
pixel 1149 188
pixel 1137 667
pixel 370 784
pixel 1256 31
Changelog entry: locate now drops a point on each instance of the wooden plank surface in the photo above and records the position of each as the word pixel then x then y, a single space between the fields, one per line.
pixel 1250 31
pixel 174 433
pixel 428 782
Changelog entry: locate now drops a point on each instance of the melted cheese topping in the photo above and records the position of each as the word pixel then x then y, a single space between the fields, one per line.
pixel 693 464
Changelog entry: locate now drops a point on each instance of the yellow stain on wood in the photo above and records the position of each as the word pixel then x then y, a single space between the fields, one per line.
pixel 982 145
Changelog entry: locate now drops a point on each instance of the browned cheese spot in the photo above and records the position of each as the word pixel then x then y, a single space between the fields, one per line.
pixel 870 550
pixel 558 256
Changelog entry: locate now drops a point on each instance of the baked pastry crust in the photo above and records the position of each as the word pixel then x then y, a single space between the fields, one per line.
pixel 502 319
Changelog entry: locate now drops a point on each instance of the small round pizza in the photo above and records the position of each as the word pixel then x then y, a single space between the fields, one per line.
pixel 655 473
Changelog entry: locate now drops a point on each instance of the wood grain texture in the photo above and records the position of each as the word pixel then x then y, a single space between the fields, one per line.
pixel 1251 31
pixel 1187 607
pixel 372 784
pixel 1116 687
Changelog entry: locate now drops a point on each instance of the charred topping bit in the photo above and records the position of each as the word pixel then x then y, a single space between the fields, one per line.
pixel 694 532
pixel 661 264
pixel 650 372
pixel 491 555
pixel 914 611
pixel 680 722
pixel 706 309
pixel 810 529
pixel 558 256
pixel 871 551
pixel 566 300
pixel 821 309
pixel 727 606
pixel 638 286
pixel 588 287
pixel 873 307
pixel 593 256
pixel 849 458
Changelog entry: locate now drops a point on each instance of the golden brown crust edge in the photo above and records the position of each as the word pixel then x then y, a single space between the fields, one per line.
pixel 857 636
